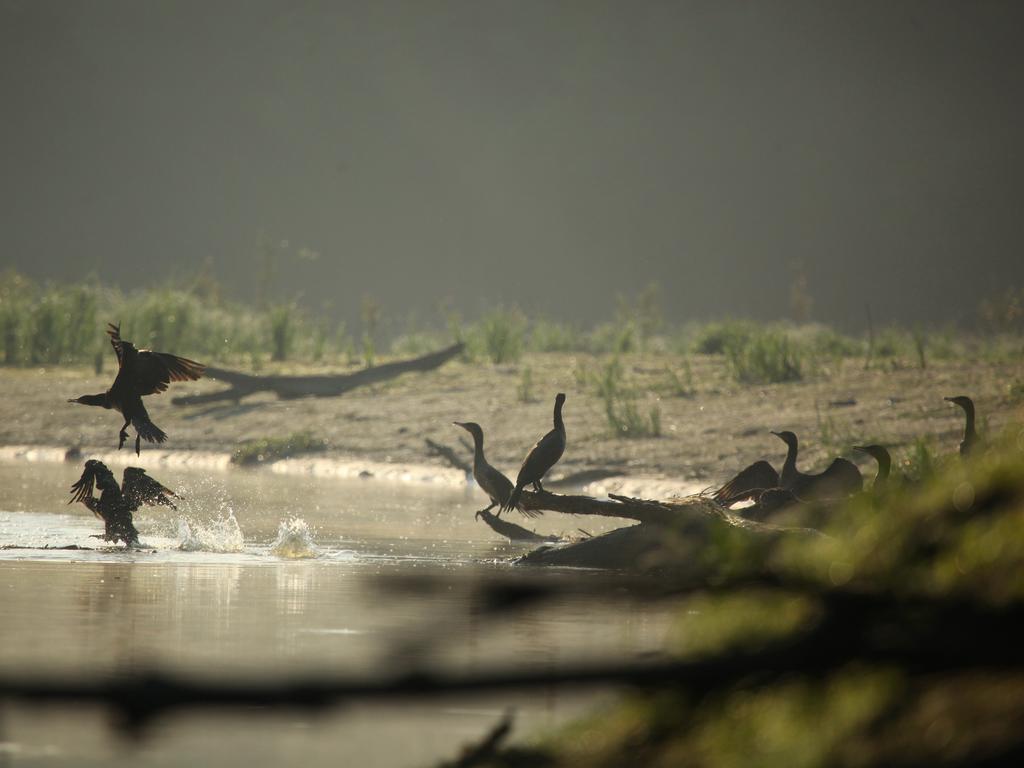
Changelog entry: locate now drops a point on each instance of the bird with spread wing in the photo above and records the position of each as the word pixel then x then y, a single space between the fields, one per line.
pixel 117 503
pixel 140 372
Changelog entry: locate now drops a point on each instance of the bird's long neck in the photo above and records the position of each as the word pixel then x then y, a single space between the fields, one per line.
pixel 884 468
pixel 789 467
pixel 559 424
pixel 478 449
pixel 969 433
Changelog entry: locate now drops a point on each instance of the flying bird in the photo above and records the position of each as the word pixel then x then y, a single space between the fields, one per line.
pixel 497 487
pixel 140 372
pixel 111 507
pixel 542 457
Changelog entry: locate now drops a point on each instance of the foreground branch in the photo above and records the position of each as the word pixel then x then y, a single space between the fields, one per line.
pixel 290 387
pixel 922 636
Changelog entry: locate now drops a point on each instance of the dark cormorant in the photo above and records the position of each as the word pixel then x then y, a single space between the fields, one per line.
pixel 840 478
pixel 111 506
pixel 970 436
pixel 881 455
pixel 140 372
pixel 497 487
pixel 542 457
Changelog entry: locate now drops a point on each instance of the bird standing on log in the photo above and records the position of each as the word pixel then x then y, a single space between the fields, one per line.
pixel 497 487
pixel 140 372
pixel 840 478
pixel 542 457
pixel 970 436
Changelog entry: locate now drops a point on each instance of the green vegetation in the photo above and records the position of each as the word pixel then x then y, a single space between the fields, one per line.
pixel 619 399
pixel 270 449
pixel 50 324
pixel 892 641
pixel 680 383
pixel 500 336
pixel 717 338
pixel 524 392
pixel 766 357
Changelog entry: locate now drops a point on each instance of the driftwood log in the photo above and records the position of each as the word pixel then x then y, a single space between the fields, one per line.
pixel 671 535
pixel 666 528
pixel 290 387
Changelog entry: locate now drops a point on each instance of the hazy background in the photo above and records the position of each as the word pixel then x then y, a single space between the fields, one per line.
pixel 546 154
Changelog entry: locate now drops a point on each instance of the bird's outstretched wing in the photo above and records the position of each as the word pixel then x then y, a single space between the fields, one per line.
pixel 114 332
pixel 154 371
pixel 840 478
pixel 83 488
pixel 139 488
pixel 151 372
pixel 95 473
pixel 758 476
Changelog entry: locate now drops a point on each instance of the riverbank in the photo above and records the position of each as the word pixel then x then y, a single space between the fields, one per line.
pixel 707 432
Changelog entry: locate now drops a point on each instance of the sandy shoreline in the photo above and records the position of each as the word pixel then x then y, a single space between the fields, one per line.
pixel 380 431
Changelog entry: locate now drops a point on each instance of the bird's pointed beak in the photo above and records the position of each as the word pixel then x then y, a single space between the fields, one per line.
pixel 775 433
pixel 948 399
pixel 860 448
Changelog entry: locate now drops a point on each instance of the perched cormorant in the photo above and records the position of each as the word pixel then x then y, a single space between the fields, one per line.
pixel 542 457
pixel 840 478
pixel 881 455
pixel 970 436
pixel 111 506
pixel 493 482
pixel 140 372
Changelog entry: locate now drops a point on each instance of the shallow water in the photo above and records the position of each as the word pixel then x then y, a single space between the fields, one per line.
pixel 260 574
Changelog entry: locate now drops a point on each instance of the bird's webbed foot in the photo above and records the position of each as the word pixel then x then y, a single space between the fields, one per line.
pixel 122 436
pixel 476 516
pixel 138 445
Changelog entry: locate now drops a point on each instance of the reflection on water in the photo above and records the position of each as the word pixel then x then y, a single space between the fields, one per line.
pixel 261 574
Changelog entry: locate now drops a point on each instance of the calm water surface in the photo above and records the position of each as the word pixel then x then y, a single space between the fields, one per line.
pixel 262 575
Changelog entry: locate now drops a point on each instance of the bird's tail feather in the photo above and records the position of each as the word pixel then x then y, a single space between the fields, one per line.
pixel 513 498
pixel 149 431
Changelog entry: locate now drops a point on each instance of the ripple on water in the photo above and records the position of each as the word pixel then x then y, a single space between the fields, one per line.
pixel 294 540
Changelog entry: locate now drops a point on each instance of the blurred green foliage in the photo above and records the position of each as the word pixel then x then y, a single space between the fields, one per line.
pixel 906 567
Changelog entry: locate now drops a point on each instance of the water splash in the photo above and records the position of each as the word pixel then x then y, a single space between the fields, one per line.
pixel 222 534
pixel 294 540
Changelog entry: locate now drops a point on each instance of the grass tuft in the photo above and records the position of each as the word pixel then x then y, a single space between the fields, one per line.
pixel 765 357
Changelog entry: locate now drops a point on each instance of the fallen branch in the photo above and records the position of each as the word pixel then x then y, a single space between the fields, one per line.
pixel 290 387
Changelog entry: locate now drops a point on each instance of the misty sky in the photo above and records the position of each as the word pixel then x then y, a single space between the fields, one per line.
pixel 545 154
